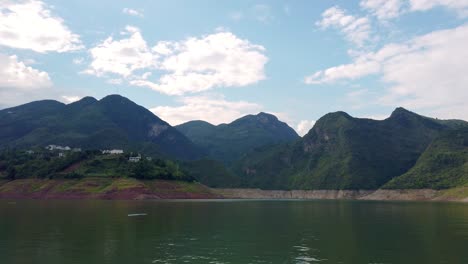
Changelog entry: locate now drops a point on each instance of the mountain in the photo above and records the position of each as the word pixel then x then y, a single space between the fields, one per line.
pixel 112 122
pixel 229 142
pixel 343 152
pixel 444 164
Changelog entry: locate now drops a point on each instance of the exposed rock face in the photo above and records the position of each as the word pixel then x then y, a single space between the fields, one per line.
pixel 402 195
pixel 157 129
pixel 293 194
pixel 376 195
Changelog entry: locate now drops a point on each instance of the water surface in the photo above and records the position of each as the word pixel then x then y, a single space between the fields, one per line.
pixel 230 231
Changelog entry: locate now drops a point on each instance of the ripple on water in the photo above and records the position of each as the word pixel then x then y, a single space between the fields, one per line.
pixel 304 256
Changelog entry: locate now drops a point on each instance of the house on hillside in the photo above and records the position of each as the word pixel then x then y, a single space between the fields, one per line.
pixel 57 147
pixel 113 151
pixel 135 159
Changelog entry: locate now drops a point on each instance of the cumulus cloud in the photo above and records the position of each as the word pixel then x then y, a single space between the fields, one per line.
pixel 355 29
pixel 383 9
pixel 304 126
pixel 15 74
pixel 132 12
pixel 200 64
pixel 121 57
pixel 214 109
pixel 71 98
pixel 427 72
pixel 30 25
pixel 361 67
pixel 189 66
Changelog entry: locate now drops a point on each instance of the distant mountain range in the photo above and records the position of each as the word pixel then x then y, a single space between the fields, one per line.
pixel 342 152
pixel 406 150
pixel 229 142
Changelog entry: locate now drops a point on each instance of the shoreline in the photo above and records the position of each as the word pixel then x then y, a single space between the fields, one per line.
pixel 133 189
pixel 459 194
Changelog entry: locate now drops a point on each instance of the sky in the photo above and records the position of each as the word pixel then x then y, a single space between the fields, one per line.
pixel 219 60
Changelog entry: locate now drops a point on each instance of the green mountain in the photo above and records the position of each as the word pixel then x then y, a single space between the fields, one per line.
pixel 342 152
pixel 112 122
pixel 444 164
pixel 229 142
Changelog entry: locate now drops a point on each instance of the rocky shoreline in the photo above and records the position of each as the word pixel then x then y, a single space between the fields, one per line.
pixel 458 194
pixel 132 189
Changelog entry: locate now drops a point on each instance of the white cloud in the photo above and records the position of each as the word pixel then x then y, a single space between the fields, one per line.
pixel 71 98
pixel 189 66
pixel 200 64
pixel 361 67
pixel 383 9
pixel 356 29
pixel 15 75
pixel 388 9
pixel 132 12
pixel 30 25
pixel 121 57
pixel 425 73
pixel 460 6
pixel 304 126
pixel 78 61
pixel 213 109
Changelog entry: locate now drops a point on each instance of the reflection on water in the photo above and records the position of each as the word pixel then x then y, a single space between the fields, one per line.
pixel 232 232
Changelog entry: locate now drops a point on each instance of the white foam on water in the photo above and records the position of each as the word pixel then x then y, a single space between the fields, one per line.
pixel 140 214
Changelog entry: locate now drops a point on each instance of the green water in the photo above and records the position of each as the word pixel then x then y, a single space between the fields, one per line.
pixel 63 232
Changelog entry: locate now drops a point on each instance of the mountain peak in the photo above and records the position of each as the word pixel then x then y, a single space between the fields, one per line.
pixel 85 101
pixel 336 115
pixel 266 117
pixel 400 111
pixel 114 98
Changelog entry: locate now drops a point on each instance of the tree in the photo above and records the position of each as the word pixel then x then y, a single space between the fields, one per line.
pixel 11 173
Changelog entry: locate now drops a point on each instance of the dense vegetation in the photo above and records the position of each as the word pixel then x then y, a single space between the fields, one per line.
pixel 229 142
pixel 443 165
pixel 48 164
pixel 342 152
pixel 112 122
pixel 405 150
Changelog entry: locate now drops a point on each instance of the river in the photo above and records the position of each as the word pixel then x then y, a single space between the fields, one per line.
pixel 232 231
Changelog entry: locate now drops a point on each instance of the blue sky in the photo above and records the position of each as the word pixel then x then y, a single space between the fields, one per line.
pixel 219 60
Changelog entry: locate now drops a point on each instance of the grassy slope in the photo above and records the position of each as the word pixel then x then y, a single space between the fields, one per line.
pixel 443 165
pixel 107 188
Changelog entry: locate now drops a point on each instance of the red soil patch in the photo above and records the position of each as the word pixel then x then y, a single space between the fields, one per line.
pixel 51 189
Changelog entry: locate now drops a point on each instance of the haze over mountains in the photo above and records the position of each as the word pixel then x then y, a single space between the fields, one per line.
pixel 405 150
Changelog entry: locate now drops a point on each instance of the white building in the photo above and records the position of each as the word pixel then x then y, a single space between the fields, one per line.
pixel 113 151
pixel 135 159
pixel 57 147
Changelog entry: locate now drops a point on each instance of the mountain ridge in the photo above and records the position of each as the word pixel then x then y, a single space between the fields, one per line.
pixel 228 142
pixel 112 122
